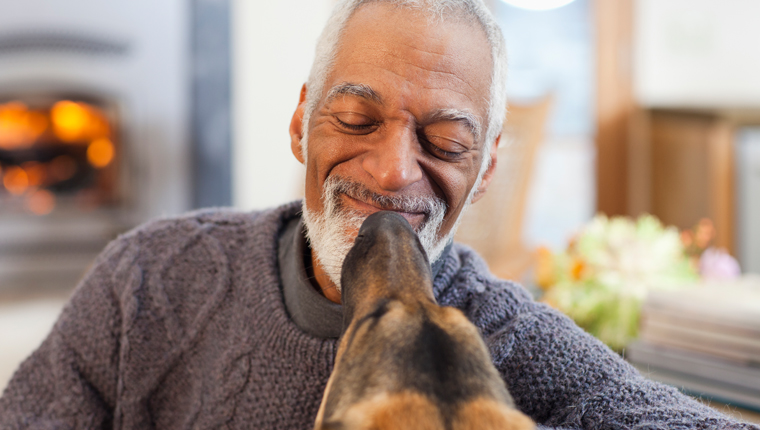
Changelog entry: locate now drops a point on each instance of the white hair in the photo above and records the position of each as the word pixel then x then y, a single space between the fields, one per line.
pixel 473 11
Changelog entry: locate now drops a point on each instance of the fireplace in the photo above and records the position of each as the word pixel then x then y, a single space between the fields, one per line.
pixel 57 153
pixel 94 107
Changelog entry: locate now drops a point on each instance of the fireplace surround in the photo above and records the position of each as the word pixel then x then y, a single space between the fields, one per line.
pixel 119 70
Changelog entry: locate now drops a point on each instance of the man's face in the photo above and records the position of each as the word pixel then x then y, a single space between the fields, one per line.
pixel 403 114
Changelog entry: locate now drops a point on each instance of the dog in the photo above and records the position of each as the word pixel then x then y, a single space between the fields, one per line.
pixel 403 362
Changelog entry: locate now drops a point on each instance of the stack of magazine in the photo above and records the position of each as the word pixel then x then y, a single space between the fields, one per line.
pixel 704 340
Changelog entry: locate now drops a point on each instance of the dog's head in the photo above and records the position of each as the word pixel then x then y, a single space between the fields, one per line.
pixel 403 361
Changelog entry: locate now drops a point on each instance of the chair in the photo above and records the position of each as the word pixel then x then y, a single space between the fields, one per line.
pixel 493 226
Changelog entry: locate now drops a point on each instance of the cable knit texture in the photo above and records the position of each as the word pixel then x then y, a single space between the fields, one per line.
pixel 181 324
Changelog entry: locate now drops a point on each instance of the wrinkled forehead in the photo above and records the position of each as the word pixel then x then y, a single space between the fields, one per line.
pixel 446 52
pixel 405 25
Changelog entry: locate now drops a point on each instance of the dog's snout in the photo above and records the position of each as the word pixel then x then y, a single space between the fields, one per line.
pixel 386 223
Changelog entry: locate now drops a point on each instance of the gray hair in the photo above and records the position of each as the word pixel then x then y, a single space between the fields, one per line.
pixel 473 10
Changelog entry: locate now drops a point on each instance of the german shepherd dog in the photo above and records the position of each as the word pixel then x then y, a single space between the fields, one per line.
pixel 404 362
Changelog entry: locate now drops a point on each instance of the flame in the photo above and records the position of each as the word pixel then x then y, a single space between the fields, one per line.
pixel 16 180
pixel 57 126
pixel 41 202
pixel 76 122
pixel 100 153
pixel 19 126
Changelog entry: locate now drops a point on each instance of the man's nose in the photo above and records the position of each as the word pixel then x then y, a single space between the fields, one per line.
pixel 393 162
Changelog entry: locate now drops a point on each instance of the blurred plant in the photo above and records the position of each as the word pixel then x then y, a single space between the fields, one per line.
pixel 698 239
pixel 713 263
pixel 602 278
pixel 718 264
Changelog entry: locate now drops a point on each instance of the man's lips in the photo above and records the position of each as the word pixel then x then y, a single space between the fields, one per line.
pixel 415 218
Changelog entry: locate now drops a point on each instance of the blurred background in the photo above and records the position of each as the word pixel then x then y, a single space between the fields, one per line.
pixel 627 196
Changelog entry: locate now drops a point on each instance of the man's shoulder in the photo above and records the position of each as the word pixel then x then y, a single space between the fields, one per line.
pixel 472 272
pixel 212 234
pixel 216 221
pixel 465 282
pixel 190 260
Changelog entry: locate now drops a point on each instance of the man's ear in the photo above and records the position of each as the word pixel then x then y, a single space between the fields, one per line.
pixel 488 176
pixel 296 127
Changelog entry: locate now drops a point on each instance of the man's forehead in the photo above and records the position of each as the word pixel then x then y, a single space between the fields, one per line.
pixel 393 28
pixel 382 45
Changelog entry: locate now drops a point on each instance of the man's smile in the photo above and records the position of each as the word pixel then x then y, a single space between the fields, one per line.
pixel 415 219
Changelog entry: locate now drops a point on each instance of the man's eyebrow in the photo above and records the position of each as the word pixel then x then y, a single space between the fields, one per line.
pixel 469 119
pixel 360 90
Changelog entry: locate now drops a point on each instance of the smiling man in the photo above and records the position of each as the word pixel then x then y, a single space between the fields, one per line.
pixel 221 319
pixel 398 122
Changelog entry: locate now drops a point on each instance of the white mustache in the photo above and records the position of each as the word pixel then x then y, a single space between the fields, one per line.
pixel 430 206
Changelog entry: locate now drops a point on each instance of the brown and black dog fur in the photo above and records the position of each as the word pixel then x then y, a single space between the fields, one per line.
pixel 404 362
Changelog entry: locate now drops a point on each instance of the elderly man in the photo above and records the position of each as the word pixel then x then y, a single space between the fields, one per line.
pixel 223 319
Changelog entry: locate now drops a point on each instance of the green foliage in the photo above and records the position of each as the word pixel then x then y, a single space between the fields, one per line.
pixel 604 275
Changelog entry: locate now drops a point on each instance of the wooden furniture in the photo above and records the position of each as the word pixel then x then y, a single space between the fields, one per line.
pixel 684 169
pixel 675 163
pixel 615 103
pixel 493 226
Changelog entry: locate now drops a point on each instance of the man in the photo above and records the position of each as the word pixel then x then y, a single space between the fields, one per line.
pixel 222 319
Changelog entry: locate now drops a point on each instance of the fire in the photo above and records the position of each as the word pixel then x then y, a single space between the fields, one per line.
pixel 16 180
pixel 54 147
pixel 100 153
pixel 76 122
pixel 20 127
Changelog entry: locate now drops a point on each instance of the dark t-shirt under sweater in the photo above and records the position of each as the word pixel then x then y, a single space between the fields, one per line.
pixel 309 309
pixel 182 324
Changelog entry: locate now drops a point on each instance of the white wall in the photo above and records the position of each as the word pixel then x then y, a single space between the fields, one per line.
pixel 273 47
pixel 697 53
pixel 748 198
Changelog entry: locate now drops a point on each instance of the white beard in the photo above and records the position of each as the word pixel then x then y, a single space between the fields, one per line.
pixel 326 231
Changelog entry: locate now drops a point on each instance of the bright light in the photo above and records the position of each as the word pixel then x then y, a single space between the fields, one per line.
pixel 70 120
pixel 19 126
pixel 537 4
pixel 100 153
pixel 77 122
pixel 16 180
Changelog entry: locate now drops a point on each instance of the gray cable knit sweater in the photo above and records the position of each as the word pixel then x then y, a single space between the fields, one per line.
pixel 181 324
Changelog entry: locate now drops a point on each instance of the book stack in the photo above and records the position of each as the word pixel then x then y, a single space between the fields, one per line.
pixel 704 340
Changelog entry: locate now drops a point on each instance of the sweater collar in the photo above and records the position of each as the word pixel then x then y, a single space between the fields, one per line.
pixel 307 308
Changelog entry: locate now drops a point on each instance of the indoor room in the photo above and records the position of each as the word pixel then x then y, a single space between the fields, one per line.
pixel 624 191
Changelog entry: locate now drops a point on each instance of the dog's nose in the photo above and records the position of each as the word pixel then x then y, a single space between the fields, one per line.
pixel 385 222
